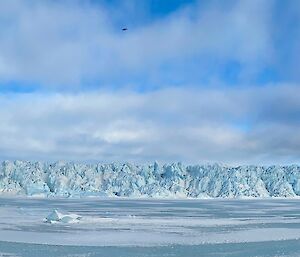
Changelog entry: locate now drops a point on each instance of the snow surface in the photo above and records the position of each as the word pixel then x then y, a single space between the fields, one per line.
pixel 128 180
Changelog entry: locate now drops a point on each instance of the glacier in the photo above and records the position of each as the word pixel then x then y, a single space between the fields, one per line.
pixel 68 179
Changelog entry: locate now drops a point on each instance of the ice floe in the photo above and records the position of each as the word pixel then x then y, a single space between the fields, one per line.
pixel 55 217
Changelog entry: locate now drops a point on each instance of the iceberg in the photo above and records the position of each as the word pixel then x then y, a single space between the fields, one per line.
pixel 67 179
pixel 56 216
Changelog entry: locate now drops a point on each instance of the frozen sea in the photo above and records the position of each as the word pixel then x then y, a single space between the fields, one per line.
pixel 144 227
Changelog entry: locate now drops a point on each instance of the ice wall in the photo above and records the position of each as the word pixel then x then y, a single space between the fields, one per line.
pixel 174 180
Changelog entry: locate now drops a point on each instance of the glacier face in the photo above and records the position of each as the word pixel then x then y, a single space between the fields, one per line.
pixel 173 180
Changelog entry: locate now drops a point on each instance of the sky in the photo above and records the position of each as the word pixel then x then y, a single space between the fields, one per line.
pixel 189 81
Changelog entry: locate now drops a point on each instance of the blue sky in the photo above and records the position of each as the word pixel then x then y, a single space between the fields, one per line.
pixel 192 81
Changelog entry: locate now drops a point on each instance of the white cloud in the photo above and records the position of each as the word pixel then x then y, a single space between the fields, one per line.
pixel 168 125
pixel 67 42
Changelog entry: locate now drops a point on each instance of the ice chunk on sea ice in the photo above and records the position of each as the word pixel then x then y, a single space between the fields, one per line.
pixel 56 216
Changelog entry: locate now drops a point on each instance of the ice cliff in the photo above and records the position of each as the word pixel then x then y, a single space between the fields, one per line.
pixel 174 180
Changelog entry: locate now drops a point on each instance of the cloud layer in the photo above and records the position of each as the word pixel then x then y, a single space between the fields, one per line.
pixel 232 126
pixel 73 43
pixel 207 81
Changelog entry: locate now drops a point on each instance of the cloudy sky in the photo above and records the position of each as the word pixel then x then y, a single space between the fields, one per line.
pixel 191 81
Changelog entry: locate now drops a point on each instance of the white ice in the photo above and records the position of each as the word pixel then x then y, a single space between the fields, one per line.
pixel 55 217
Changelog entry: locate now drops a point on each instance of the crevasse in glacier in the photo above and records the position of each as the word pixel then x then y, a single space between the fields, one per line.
pixel 173 180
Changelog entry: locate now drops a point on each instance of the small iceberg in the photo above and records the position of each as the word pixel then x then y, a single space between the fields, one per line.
pixel 55 217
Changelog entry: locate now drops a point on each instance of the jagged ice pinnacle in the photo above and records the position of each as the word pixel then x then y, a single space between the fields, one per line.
pixel 128 180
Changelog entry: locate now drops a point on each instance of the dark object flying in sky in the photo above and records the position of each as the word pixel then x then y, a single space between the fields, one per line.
pixel 124 29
